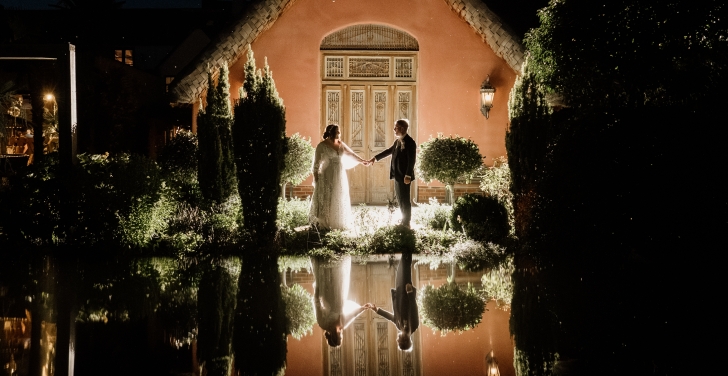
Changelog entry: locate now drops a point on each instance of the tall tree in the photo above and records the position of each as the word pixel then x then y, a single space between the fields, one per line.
pixel 216 174
pixel 216 168
pixel 260 145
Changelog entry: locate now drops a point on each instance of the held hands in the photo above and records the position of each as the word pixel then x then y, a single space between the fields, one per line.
pixel 407 179
pixel 371 306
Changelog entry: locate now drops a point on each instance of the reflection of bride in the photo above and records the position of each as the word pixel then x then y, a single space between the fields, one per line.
pixel 330 293
pixel 331 206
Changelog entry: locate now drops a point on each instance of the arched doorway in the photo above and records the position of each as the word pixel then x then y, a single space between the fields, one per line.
pixel 368 81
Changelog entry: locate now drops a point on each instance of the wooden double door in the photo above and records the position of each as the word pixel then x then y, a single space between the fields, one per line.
pixel 370 342
pixel 366 112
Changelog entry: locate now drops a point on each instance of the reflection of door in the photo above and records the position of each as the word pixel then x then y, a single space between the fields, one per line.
pixel 370 342
pixel 365 97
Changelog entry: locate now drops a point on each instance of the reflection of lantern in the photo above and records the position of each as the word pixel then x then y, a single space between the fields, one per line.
pixel 491 365
pixel 487 92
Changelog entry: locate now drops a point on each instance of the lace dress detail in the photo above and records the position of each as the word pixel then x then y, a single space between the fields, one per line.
pixel 331 205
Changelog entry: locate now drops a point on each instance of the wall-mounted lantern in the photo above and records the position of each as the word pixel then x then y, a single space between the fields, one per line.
pixel 487 92
pixel 491 365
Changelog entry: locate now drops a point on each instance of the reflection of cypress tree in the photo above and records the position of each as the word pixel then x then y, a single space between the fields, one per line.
pixel 259 136
pixel 260 322
pixel 259 139
pixel 216 302
pixel 218 284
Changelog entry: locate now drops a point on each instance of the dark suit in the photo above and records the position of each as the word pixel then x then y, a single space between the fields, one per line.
pixel 403 154
pixel 404 304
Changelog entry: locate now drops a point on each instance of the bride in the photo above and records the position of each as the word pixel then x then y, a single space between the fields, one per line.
pixel 331 206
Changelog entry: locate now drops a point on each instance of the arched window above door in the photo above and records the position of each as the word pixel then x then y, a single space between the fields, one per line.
pixel 370 37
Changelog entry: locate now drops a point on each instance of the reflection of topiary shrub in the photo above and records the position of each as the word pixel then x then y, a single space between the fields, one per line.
pixel 473 256
pixel 451 307
pixel 299 157
pixel 299 311
pixel 448 159
pixel 498 283
pixel 481 218
pixel 433 215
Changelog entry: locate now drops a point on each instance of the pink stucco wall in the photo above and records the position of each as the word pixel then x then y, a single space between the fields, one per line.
pixel 453 62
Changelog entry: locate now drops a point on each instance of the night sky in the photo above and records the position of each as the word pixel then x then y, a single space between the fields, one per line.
pixel 520 15
pixel 43 4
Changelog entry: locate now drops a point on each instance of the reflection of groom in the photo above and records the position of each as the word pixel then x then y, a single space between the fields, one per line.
pixel 404 304
pixel 402 168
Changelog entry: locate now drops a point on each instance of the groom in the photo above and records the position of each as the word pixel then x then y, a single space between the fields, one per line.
pixel 404 315
pixel 402 168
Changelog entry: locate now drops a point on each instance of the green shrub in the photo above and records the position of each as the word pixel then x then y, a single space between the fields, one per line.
pixel 451 307
pixel 390 239
pixel 432 215
pixel 495 181
pixel 449 160
pixel 295 263
pixel 298 160
pixel 481 218
pixel 178 154
pixel 293 213
pixel 300 317
pixel 473 256
pixel 498 283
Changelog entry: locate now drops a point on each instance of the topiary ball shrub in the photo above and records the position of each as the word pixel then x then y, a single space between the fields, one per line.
pixel 451 307
pixel 299 311
pixel 299 157
pixel 449 160
pixel 481 218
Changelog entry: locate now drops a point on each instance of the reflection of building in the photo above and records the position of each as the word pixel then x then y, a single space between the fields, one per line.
pixel 370 346
pixel 15 343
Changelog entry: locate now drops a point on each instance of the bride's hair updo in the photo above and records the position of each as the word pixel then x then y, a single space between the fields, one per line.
pixel 331 131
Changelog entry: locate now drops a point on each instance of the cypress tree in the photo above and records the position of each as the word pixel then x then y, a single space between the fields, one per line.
pixel 216 168
pixel 259 144
pixel 218 284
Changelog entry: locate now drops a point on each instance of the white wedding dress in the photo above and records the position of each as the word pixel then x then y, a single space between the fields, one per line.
pixel 331 205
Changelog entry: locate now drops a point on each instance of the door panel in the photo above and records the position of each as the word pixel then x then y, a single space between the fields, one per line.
pixel 380 133
pixel 366 113
pixel 370 342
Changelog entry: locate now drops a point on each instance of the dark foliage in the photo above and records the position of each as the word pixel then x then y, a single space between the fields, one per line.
pixel 260 323
pixel 177 154
pixel 260 147
pixel 481 218
pixel 609 190
pixel 179 166
pixel 216 302
pixel 631 53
